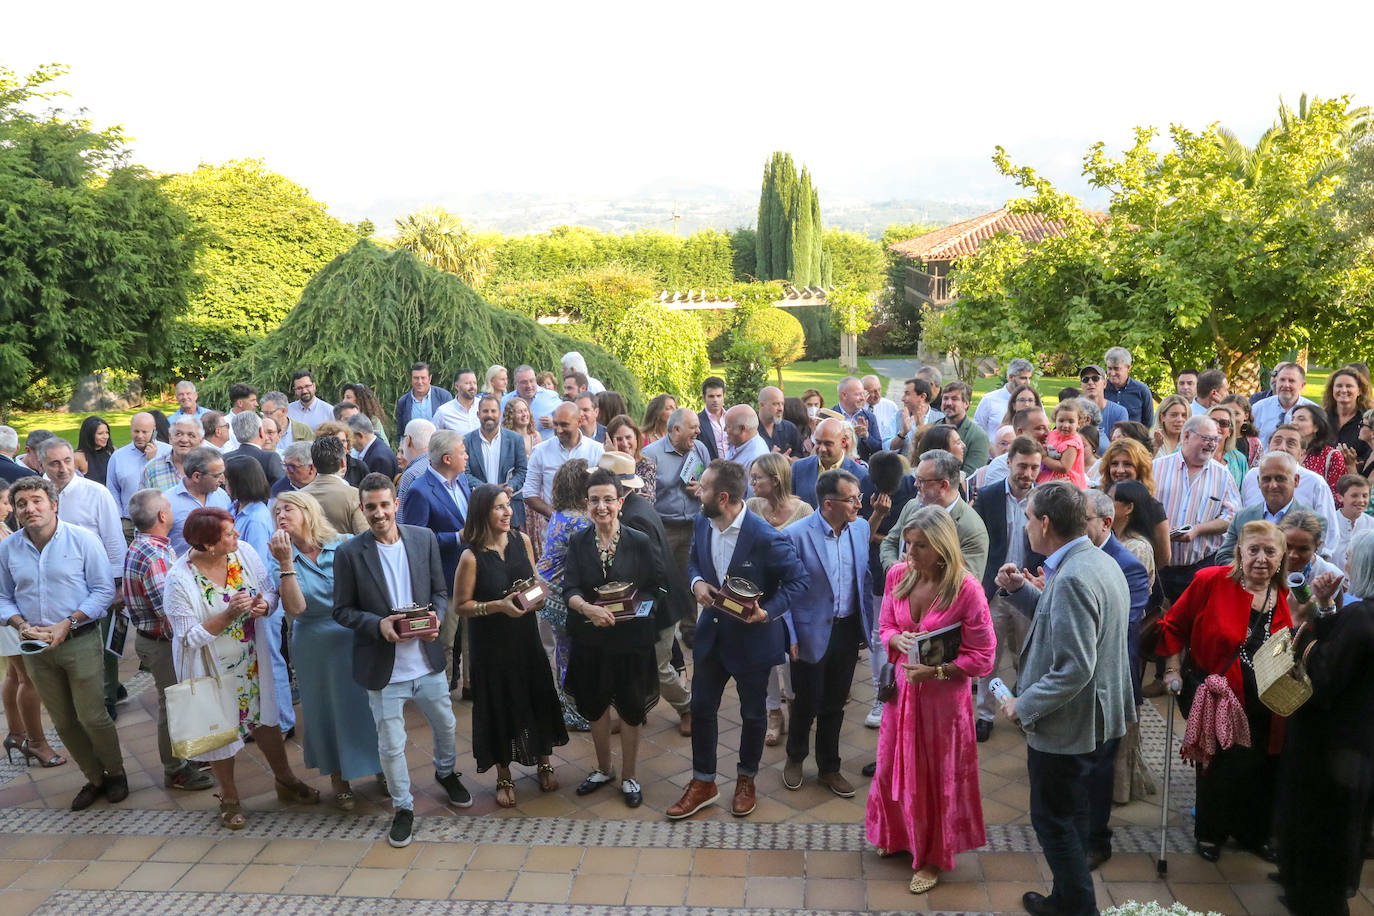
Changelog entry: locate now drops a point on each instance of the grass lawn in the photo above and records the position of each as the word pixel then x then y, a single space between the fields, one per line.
pixel 67 425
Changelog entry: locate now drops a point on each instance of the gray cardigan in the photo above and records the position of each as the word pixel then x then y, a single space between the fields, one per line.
pixel 1074 691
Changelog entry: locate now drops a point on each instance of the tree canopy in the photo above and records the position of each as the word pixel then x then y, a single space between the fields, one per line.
pixel 1195 264
pixel 262 238
pixel 445 240
pixel 788 240
pixel 95 259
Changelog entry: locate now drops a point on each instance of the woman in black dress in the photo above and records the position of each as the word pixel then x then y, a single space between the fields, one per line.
pixel 1326 779
pixel 612 661
pixel 516 715
pixel 93 449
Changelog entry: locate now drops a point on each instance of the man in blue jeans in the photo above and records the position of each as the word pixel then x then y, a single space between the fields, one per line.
pixel 391 566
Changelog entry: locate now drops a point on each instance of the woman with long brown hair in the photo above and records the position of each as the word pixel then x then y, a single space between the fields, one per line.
pixel 656 417
pixel 622 435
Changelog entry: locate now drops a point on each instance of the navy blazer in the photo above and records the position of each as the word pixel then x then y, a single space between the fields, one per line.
pixel 766 557
pixel 270 462
pixel 871 443
pixel 813 612
pixel 1137 577
pixel 707 435
pixel 514 465
pixel 439 397
pixel 429 506
pixel 806 470
pixel 11 470
pixel 991 506
pixel 379 458
pixel 786 438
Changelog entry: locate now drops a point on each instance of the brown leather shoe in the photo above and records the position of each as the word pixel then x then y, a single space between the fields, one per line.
pixel 743 803
pixel 684 725
pixel 836 783
pixel 699 794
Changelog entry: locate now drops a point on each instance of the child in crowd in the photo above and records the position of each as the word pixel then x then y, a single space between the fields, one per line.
pixel 1064 460
pixel 1351 519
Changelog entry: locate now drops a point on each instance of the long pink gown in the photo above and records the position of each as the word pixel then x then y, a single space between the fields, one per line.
pixel 925 796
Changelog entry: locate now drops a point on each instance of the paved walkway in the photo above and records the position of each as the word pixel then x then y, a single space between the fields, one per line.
pixel 801 851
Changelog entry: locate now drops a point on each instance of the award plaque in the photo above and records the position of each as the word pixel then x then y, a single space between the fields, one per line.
pixel 738 597
pixel 417 621
pixel 620 598
pixel 529 594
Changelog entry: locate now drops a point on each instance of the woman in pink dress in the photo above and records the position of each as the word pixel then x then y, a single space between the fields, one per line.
pixel 925 797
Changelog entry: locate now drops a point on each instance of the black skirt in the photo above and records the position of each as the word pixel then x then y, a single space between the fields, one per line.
pixel 599 678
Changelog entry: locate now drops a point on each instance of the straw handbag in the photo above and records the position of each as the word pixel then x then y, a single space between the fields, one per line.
pixel 1282 684
pixel 202 712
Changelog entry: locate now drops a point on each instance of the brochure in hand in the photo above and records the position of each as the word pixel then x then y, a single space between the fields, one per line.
pixel 938 647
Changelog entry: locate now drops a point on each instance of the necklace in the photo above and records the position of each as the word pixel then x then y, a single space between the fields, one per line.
pixel 607 553
pixel 1265 612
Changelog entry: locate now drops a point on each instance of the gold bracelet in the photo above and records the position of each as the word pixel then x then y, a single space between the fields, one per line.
pixel 481 609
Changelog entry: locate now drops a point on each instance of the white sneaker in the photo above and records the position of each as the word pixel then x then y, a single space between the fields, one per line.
pixel 875 715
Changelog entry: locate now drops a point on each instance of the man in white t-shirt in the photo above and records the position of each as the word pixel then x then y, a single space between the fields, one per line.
pixel 396 668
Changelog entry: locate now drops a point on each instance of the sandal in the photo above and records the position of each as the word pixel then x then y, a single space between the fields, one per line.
pixel 343 800
pixel 548 782
pixel 297 792
pixel 231 814
pixel 31 750
pixel 505 785
pixel 920 884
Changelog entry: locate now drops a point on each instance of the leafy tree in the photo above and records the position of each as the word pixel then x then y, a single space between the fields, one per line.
pixel 445 240
pixel 263 238
pixel 372 312
pixel 95 259
pixel 855 260
pixel 781 334
pixel 746 370
pixel 893 308
pixel 703 259
pixel 788 242
pixel 1195 265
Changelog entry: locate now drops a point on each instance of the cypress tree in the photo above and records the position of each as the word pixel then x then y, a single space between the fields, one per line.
pixel 788 240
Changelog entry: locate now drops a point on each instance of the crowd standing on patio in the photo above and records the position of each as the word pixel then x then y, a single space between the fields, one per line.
pixel 573 558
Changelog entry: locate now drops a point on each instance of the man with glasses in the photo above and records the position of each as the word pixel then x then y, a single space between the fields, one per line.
pixel 937 484
pixel 1092 380
pixel 830 621
pixel 307 408
pixel 1200 498
pixel 274 407
pixel 166 472
pixel 215 431
pixel 201 488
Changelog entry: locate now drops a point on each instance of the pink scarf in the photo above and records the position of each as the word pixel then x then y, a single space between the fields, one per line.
pixel 1217 720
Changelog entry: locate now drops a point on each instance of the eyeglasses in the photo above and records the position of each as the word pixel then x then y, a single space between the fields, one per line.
pixel 1210 440
pixel 852 500
pixel 925 481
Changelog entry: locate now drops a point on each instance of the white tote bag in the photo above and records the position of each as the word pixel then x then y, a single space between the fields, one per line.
pixel 202 712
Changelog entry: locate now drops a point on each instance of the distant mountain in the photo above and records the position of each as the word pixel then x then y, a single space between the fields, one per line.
pixel 651 206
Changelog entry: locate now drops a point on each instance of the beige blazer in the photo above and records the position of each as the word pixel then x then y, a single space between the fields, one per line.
pixel 339 502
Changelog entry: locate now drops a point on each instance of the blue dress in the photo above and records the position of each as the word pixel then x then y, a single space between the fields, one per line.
pixel 253 525
pixel 340 736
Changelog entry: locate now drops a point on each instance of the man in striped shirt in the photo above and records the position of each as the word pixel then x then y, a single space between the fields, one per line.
pixel 1200 497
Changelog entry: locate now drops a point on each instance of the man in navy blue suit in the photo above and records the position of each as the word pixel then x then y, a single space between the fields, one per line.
pixel 438 500
pixel 497 455
pixel 830 621
pixel 422 401
pixel 729 540
pixel 832 446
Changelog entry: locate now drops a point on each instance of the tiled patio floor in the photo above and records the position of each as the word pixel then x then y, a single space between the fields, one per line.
pixel 556 853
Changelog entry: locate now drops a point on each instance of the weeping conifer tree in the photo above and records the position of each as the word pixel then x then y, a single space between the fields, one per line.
pixel 371 313
pixel 788 242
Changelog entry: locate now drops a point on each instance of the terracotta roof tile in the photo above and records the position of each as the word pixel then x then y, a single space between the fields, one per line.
pixel 963 238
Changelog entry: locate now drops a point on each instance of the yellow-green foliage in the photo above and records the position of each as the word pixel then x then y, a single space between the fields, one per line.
pixel 780 334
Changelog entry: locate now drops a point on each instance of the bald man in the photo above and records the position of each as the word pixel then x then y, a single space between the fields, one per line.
pixel 832 447
pixel 742 434
pixel 567 443
pixel 127 463
pixel 781 435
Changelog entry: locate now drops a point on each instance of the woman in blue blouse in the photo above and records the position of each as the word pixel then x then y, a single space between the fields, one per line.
pixel 339 741
pixel 569 517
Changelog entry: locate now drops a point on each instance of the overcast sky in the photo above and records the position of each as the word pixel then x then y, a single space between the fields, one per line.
pixel 367 102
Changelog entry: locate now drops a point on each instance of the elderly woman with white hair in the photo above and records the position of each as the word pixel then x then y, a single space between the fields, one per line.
pixel 1326 779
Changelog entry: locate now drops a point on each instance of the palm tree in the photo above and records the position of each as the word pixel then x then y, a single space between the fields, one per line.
pixel 445 240
pixel 1248 162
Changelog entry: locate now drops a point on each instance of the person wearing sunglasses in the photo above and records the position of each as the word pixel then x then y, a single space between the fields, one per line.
pixel 1227 453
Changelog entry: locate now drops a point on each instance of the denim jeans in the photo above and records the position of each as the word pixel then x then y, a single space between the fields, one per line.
pixel 430 693
pixel 708 685
pixel 281 675
pixel 1059 810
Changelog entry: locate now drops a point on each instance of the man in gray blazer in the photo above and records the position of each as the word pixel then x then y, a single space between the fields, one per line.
pixel 937 483
pixel 1074 692
pixel 497 455
pixel 1278 481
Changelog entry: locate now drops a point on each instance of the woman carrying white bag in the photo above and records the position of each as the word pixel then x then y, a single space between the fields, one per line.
pixel 217 595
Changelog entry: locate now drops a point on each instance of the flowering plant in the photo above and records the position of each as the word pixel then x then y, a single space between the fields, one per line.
pixel 1151 908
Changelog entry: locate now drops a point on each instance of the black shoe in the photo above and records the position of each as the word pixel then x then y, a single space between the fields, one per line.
pixel 87 796
pixel 591 783
pixel 116 788
pixel 1038 904
pixel 1097 856
pixel 114 713
pixel 1209 851
pixel 467 693
pixel 870 769
pixel 121 693
pixel 1265 851
pixel 402 825
pixel 458 795
pixel 289 733
pixel 630 790
pixel 983 730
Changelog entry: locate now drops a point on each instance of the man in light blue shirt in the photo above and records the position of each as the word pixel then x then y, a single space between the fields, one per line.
pixel 542 401
pixel 188 398
pixel 126 464
pixel 55 583
pixel 746 445
pixel 1271 413
pixel 200 488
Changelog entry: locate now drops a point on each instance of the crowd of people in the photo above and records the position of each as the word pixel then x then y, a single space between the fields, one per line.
pixel 574 556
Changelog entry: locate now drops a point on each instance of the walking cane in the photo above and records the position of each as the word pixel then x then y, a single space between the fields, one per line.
pixel 1162 866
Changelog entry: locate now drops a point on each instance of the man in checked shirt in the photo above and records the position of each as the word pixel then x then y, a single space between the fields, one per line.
pixel 145 574
pixel 1200 497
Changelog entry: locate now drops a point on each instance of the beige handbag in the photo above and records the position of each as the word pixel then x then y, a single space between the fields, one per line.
pixel 202 712
pixel 1282 683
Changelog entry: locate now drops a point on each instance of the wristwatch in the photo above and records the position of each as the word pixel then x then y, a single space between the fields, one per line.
pixel 1329 611
pixel 71 619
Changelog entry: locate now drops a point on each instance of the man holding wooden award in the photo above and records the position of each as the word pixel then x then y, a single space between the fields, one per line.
pixel 389 589
pixel 746 575
pixel 829 624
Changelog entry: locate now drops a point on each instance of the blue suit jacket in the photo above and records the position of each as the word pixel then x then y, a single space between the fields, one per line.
pixel 514 464
pixel 813 612
pixel 1137 578
pixel 438 398
pixel 991 506
pixel 428 506
pixel 766 557
pixel 806 470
